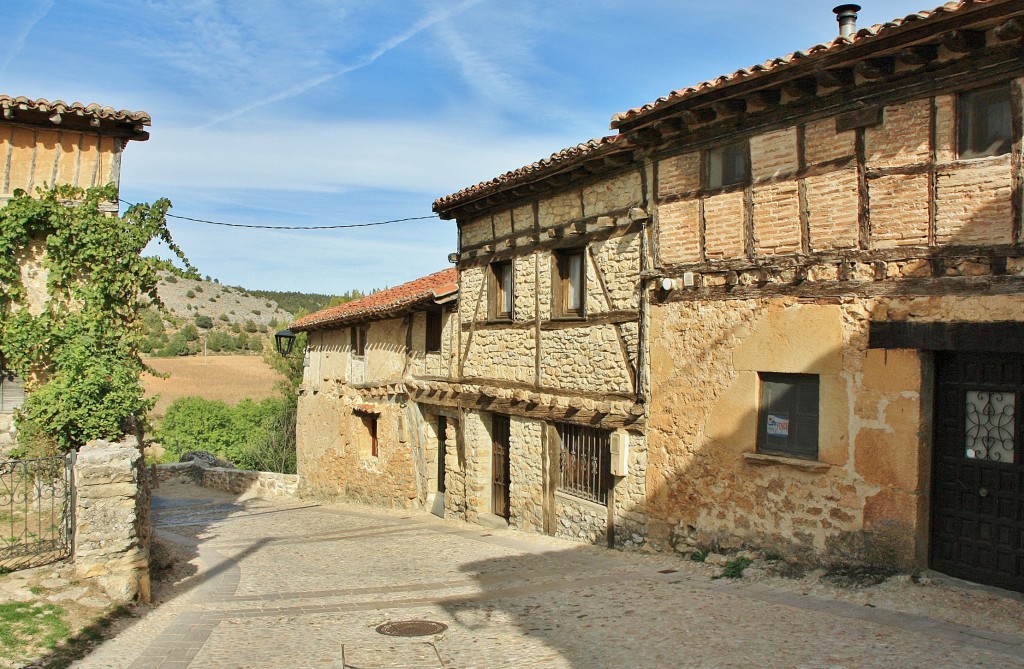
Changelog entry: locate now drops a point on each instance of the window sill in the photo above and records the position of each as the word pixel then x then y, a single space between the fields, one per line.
pixel 796 463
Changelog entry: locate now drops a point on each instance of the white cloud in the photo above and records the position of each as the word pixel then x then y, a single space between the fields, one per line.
pixel 16 43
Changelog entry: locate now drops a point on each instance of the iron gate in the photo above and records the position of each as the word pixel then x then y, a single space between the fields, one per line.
pixel 36 511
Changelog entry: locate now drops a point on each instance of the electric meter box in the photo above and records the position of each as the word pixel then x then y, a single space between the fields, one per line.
pixel 620 452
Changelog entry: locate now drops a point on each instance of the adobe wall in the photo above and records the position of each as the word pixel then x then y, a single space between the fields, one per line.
pixel 34 157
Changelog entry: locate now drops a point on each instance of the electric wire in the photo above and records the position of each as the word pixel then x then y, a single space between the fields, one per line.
pixel 289 227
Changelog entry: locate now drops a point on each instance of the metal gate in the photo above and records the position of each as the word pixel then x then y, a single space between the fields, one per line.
pixel 36 511
pixel 500 466
pixel 978 474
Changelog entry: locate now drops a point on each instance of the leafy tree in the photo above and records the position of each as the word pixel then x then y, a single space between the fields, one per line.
pixel 204 322
pixel 80 351
pixel 190 333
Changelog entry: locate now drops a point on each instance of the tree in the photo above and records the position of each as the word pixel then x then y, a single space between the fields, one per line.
pixel 204 322
pixel 79 352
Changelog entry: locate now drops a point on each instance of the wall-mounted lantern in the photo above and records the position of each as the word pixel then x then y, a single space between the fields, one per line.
pixel 284 341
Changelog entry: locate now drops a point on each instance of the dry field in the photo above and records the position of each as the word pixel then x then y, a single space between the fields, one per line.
pixel 229 378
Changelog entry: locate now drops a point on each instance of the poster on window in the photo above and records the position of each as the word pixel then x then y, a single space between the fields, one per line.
pixel 778 426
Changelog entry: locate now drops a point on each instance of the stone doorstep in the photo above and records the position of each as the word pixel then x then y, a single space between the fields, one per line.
pixel 492 521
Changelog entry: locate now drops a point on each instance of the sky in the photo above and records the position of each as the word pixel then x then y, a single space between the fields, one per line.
pixel 341 112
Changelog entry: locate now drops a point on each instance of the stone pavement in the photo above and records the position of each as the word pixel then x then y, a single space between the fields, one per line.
pixel 294 584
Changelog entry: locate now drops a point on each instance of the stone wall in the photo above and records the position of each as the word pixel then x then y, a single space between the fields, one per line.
pixel 112 522
pixel 864 496
pixel 526 465
pixel 238 481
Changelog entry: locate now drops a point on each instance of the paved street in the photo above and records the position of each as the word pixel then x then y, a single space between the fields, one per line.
pixel 294 584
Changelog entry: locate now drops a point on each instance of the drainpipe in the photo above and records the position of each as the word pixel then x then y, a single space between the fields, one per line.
pixel 847 17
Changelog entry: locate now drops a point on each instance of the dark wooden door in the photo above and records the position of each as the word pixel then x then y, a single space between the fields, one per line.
pixel 978 474
pixel 501 471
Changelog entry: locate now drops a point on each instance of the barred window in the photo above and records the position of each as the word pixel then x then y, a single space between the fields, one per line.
pixel 585 462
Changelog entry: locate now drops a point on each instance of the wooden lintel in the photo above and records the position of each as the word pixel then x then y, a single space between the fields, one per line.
pixel 922 54
pixel 836 77
pixel 1011 30
pixel 730 107
pixel 963 41
pixel 876 68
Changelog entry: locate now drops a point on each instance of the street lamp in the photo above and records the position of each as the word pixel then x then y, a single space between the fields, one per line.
pixel 284 341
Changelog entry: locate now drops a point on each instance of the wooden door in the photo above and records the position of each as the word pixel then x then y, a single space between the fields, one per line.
pixel 977 524
pixel 501 472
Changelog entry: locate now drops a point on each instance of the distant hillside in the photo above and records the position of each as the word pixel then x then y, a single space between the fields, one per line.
pixel 305 303
pixel 207 316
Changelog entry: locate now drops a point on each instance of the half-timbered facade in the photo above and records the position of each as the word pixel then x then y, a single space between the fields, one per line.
pixel 820 259
pixel 358 434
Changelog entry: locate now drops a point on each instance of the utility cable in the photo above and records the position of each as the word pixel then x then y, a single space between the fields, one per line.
pixel 289 227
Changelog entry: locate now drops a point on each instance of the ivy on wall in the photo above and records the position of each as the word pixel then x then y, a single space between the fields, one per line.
pixel 77 346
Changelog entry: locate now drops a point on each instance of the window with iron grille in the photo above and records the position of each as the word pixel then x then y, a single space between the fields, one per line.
pixel 585 469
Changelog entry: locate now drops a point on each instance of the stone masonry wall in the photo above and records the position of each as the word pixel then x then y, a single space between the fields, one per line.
pixel 112 522
pixel 526 489
pixel 237 481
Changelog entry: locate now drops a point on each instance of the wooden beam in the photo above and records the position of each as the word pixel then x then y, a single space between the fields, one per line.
pixel 799 89
pixel 766 98
pixel 646 136
pixel 698 116
pixel 1011 30
pixel 875 68
pixel 921 54
pixel 836 77
pixel 731 107
pixel 963 41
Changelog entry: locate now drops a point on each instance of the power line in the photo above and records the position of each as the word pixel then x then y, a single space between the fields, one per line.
pixel 288 227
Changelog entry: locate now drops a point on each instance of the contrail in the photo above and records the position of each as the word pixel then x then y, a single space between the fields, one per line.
pixel 18 43
pixel 368 59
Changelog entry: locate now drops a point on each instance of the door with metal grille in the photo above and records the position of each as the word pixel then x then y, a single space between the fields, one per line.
pixel 501 471
pixel 977 528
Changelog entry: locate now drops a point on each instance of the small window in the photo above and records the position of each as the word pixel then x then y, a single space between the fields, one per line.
pixel 788 415
pixel 12 392
pixel 569 295
pixel 728 165
pixel 501 290
pixel 369 441
pixel 585 463
pixel 434 328
pixel 359 340
pixel 985 122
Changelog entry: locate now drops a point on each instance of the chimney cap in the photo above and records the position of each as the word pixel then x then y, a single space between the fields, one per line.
pixel 846 15
pixel 844 9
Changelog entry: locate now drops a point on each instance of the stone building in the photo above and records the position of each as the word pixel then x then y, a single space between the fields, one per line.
pixel 798 287
pixel 43 144
pixel 360 433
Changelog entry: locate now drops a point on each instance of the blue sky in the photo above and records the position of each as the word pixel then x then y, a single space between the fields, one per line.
pixel 327 112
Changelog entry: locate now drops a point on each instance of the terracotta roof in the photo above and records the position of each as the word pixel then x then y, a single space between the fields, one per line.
pixel 77 108
pixel 562 158
pixel 384 303
pixel 593 148
pixel 838 44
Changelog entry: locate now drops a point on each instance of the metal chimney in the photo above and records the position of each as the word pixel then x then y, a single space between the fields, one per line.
pixel 847 17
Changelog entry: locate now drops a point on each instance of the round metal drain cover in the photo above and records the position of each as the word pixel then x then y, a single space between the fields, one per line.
pixel 411 628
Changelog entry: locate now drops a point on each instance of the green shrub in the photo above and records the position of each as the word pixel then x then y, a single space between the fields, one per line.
pixel 190 294
pixel 170 278
pixel 204 322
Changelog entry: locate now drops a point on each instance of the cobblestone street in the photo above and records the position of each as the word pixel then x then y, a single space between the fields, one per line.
pixel 294 584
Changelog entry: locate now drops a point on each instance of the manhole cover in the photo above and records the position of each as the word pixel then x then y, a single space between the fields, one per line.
pixel 411 628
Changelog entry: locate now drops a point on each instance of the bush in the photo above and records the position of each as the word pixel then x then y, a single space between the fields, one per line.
pixel 204 322
pixel 190 293
pixel 250 326
pixel 170 278
pixel 190 333
pixel 251 435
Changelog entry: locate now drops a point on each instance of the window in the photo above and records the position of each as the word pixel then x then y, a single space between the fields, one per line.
pixel 369 444
pixel 501 290
pixel 585 462
pixel 788 415
pixel 569 292
pixel 12 392
pixel 728 165
pixel 359 340
pixel 984 122
pixel 434 328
